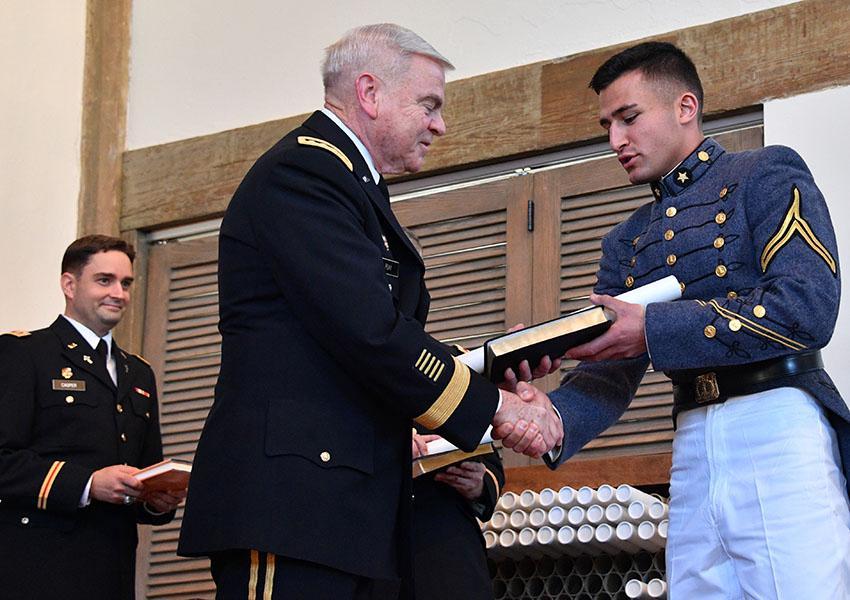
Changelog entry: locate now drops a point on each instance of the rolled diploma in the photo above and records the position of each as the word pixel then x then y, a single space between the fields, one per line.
pixel 441 445
pixel 663 290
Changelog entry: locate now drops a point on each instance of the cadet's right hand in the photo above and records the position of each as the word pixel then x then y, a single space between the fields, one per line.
pixel 112 484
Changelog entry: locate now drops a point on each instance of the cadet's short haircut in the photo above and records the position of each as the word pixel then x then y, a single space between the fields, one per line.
pixel 384 49
pixel 658 61
pixel 80 251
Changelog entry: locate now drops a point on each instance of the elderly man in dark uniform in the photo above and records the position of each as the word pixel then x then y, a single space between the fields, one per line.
pixel 301 484
pixel 78 417
pixel 758 499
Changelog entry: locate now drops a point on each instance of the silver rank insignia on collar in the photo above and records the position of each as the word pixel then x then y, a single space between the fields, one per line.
pixel 386 243
pixel 365 179
pixel 88 359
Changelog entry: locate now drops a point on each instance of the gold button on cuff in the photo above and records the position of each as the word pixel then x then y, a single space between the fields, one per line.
pixel 120 408
pixel 123 437
pixel 668 235
pixel 719 242
pixel 723 192
pixel 720 271
pixel 630 281
pixel 732 295
pixel 682 286
pixel 703 156
pixel 759 311
pixel 735 325
pixel 709 331
pixel 720 219
pixel 671 260
pixel 69 399
pixel 671 211
pixel 325 456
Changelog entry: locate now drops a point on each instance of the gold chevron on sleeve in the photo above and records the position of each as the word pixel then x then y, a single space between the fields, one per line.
pixel 306 140
pixel 47 484
pixel 794 224
pixel 444 406
pixel 756 328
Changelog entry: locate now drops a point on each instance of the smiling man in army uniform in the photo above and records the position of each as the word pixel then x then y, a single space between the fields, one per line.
pixel 78 417
pixel 758 499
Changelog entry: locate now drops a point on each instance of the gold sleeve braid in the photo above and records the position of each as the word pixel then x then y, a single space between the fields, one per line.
pixel 495 481
pixel 47 484
pixel 444 406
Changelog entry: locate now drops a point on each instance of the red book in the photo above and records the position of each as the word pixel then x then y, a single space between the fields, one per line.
pixel 167 475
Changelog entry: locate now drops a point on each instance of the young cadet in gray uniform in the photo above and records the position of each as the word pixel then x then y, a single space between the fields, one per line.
pixel 78 415
pixel 301 483
pixel 758 505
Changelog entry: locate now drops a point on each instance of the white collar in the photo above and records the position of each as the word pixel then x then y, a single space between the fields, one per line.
pixel 90 336
pixel 376 177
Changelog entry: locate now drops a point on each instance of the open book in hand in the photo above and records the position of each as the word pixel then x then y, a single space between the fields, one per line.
pixel 168 475
pixel 442 453
pixel 553 338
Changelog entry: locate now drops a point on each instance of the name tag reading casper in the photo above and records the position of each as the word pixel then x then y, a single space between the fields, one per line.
pixel 70 385
pixel 391 267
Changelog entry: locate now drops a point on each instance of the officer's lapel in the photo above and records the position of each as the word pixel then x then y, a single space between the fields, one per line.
pixel 328 130
pixel 122 367
pixel 78 352
pixel 383 205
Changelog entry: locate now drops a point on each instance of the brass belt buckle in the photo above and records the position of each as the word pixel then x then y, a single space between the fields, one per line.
pixel 705 388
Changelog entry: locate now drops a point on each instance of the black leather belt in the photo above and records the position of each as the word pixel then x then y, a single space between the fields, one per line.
pixel 694 389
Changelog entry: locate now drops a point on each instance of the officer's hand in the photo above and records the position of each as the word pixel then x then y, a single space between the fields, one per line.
pixel 625 339
pixel 527 423
pixel 467 478
pixel 112 484
pixel 162 502
pixel 420 443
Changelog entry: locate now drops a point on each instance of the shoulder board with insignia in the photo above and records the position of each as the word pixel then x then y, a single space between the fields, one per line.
pixel 18 334
pixel 141 359
pixel 306 140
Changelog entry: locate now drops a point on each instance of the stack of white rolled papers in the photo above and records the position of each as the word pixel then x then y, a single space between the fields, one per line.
pixel 606 520
pixel 639 590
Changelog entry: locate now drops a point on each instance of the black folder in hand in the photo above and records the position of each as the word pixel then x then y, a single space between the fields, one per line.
pixel 550 338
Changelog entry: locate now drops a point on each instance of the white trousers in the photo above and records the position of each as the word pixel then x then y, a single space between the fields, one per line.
pixel 758 503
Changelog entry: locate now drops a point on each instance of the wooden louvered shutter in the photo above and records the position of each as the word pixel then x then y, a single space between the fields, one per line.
pixel 586 200
pixel 477 247
pixel 183 345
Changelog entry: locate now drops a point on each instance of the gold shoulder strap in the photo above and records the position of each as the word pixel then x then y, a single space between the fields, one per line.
pixel 306 140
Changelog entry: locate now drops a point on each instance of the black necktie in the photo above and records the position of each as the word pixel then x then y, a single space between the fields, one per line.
pixel 103 355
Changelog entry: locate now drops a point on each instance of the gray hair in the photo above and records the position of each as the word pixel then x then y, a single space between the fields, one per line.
pixel 384 49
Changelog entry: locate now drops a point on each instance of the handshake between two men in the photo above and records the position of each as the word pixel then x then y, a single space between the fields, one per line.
pixel 526 420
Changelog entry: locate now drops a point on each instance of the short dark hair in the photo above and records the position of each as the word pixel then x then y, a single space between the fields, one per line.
pixel 656 60
pixel 78 254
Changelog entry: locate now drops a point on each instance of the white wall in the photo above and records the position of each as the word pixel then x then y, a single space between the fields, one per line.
pixel 817 126
pixel 201 66
pixel 42 45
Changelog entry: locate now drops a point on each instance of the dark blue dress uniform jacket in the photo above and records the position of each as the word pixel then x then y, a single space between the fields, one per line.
pixel 306 450
pixel 750 237
pixel 61 419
